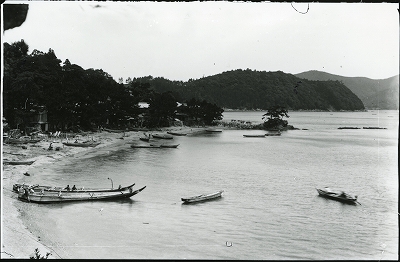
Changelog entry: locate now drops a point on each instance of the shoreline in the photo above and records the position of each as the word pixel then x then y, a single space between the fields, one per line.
pixel 19 238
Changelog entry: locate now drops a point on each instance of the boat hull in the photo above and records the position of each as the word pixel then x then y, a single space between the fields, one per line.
pixel 54 197
pixel 202 198
pixel 337 197
pixel 254 135
pixel 176 133
pixel 162 136
pixel 18 162
pixel 38 188
pixel 90 144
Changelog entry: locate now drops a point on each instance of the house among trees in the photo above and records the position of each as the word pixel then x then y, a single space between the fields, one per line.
pixel 39 120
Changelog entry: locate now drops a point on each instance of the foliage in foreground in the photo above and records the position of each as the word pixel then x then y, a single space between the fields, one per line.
pixel 37 255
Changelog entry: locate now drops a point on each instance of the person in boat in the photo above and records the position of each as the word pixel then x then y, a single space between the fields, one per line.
pixel 67 188
pixel 74 188
pixel 343 194
pixel 327 189
pixel 119 187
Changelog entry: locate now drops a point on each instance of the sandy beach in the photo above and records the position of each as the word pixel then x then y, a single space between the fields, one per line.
pixel 18 238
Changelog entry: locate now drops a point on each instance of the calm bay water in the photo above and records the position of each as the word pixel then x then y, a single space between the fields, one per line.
pixel 269 210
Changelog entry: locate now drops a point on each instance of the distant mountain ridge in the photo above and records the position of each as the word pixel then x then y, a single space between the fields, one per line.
pixel 375 94
pixel 252 90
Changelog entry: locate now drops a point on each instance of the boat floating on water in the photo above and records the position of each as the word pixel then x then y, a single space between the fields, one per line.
pixel 213 130
pixel 338 196
pixel 254 135
pixel 201 198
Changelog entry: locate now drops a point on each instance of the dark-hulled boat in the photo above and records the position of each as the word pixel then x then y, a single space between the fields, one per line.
pixel 213 130
pixel 55 197
pixel 19 162
pixel 144 146
pixel 82 144
pixel 273 134
pixel 254 135
pixel 338 196
pixel 39 188
pixel 201 198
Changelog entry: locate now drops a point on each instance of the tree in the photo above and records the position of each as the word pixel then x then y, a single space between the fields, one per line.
pixel 162 109
pixel 274 117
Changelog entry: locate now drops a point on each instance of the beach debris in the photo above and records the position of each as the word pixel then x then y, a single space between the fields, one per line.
pixel 26 174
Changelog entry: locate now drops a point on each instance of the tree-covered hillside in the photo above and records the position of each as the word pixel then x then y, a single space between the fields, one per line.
pixel 247 89
pixel 375 94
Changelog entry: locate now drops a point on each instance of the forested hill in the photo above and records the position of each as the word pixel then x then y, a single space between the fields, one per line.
pixel 248 89
pixel 375 94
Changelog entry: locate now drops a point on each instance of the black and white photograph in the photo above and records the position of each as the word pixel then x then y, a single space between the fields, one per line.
pixel 187 130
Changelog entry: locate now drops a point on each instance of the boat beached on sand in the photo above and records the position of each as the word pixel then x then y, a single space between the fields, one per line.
pixel 176 133
pixel 67 196
pixel 163 136
pixel 19 162
pixel 201 198
pixel 338 196
pixel 82 144
pixel 39 188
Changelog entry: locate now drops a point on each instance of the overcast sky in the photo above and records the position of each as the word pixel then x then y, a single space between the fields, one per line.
pixel 183 40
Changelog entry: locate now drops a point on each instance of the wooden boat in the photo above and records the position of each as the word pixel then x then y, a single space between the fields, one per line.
pixel 39 188
pixel 144 146
pixel 254 135
pixel 15 141
pixel 27 162
pixel 338 196
pixel 176 133
pixel 54 197
pixel 272 134
pixel 213 130
pixel 169 145
pixel 162 136
pixel 146 139
pixel 201 198
pixel 114 130
pixel 82 144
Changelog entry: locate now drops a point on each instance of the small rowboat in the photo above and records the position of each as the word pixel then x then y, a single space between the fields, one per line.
pixel 19 162
pixel 338 196
pixel 201 198
pixel 273 134
pixel 213 130
pixel 144 146
pixel 169 145
pixel 176 133
pixel 84 144
pixel 56 197
pixel 114 130
pixel 254 135
pixel 162 136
